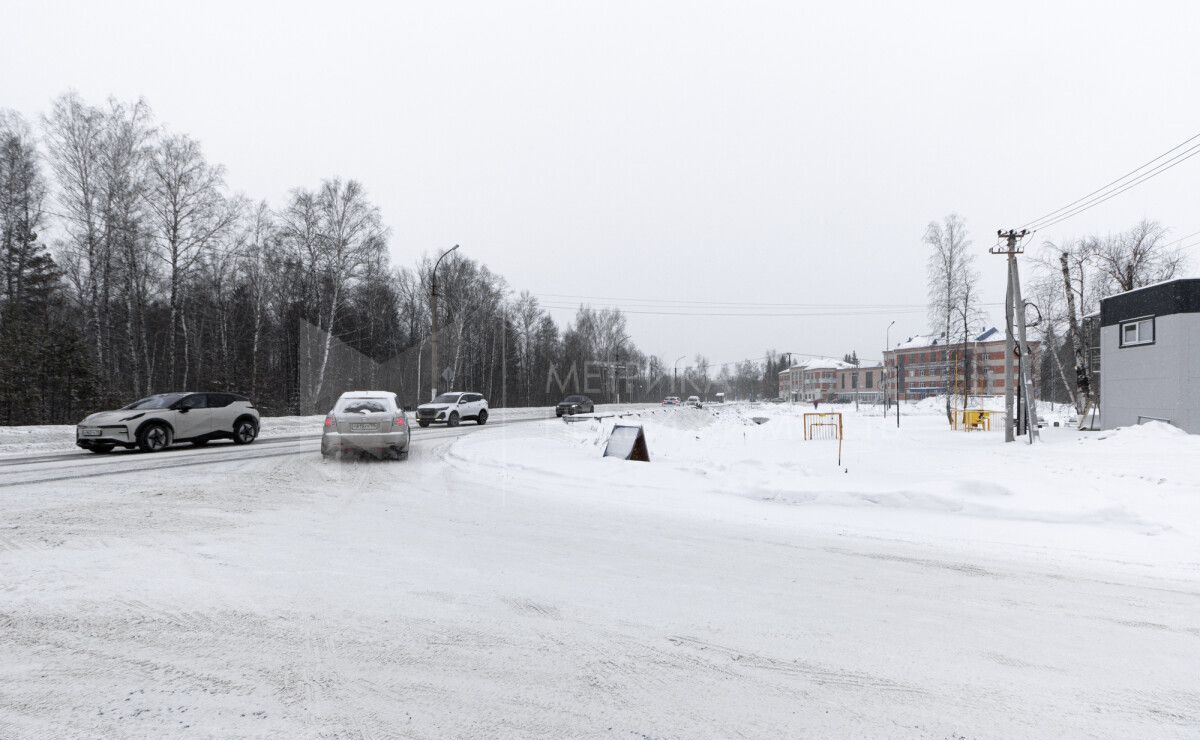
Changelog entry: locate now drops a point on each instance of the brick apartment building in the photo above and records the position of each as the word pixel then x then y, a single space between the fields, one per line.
pixel 916 368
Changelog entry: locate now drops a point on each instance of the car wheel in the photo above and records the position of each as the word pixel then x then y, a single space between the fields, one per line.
pixel 482 418
pixel 422 424
pixel 101 449
pixel 328 452
pixel 154 438
pixel 244 432
pixel 453 420
pixel 199 442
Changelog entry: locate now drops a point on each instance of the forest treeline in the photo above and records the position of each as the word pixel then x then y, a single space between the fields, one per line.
pixel 128 266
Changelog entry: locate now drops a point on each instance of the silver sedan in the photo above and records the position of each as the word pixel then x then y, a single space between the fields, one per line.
pixel 366 421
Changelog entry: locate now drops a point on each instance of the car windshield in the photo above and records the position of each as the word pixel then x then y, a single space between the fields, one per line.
pixel 161 401
pixel 447 398
pixel 574 399
pixel 361 406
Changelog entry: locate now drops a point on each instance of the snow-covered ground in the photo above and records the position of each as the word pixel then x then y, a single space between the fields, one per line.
pixel 511 582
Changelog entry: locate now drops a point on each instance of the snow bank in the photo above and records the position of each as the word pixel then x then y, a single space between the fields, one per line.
pixel 1152 431
pixel 1135 483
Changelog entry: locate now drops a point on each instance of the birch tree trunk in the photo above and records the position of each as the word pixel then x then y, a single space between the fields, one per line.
pixel 1082 374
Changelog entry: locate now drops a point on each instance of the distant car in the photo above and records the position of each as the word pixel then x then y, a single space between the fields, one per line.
pixel 156 422
pixel 694 401
pixel 366 421
pixel 671 401
pixel 720 398
pixel 572 405
pixel 452 408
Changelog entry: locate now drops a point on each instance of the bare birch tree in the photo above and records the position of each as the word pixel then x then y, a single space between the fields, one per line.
pixel 350 234
pixel 188 211
pixel 1135 258
pixel 950 273
pixel 74 136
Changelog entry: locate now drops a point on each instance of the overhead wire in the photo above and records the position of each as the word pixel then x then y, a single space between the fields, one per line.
pixel 1117 186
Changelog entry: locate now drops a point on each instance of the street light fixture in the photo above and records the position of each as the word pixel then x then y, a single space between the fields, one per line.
pixel 675 377
pixel 433 305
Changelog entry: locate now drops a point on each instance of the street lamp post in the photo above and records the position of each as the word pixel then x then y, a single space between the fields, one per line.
pixel 433 343
pixel 887 344
pixel 675 377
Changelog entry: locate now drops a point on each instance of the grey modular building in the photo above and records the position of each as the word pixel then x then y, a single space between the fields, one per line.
pixel 1150 355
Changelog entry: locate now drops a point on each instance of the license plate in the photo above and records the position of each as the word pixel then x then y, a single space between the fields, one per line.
pixel 90 432
pixel 364 427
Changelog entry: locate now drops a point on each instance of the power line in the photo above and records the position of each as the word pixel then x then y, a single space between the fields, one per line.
pixel 1095 202
pixel 555 298
pixel 1171 244
pixel 1102 194
pixel 748 314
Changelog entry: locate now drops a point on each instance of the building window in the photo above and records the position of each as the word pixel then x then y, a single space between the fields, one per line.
pixel 1137 332
pixel 870 379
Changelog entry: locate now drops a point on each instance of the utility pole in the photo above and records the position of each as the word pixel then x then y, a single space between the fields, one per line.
pixel 433 345
pixel 1014 304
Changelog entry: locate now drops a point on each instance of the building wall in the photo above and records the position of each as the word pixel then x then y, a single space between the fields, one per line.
pixel 1155 380
pixel 863 383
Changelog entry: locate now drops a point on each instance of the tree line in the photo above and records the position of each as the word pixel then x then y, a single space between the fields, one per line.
pixel 128 266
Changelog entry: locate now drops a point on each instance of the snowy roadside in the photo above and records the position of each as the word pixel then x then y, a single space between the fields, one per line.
pixel 1130 496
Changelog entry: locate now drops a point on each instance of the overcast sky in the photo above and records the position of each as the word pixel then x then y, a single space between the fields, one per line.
pixel 739 152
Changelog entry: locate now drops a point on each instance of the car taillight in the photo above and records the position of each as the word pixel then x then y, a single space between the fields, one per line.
pixel 398 421
pixel 328 421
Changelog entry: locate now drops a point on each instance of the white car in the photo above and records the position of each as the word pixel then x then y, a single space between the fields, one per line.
pixel 452 408
pixel 366 421
pixel 156 422
pixel 694 401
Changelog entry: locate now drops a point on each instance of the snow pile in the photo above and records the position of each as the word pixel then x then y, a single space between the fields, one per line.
pixel 1151 431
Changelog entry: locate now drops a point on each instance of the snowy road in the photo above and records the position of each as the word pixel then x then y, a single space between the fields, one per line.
pixel 64 466
pixel 511 584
